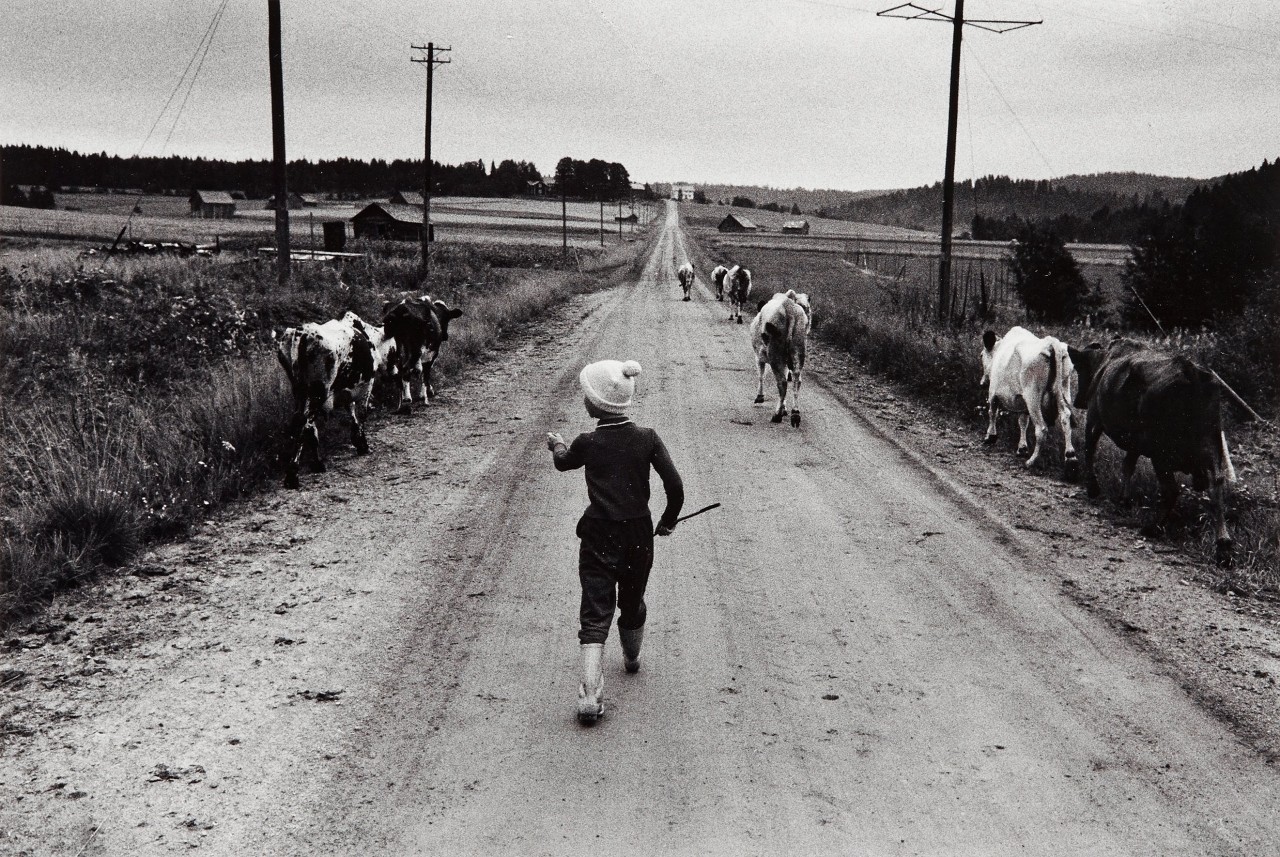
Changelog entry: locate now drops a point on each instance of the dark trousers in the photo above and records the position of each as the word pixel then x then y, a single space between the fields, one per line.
pixel 614 560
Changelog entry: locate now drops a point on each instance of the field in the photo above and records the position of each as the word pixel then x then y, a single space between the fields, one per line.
pixel 93 217
pixel 143 393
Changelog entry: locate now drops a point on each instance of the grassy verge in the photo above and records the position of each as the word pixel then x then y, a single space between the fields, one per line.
pixel 141 394
pixel 885 323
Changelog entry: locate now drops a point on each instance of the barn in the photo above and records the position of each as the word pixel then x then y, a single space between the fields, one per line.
pixel 736 223
pixel 295 200
pixel 212 204
pixel 388 221
pixel 796 227
pixel 535 188
pixel 407 197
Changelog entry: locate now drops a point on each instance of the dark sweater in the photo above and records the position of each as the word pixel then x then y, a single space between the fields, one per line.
pixel 617 456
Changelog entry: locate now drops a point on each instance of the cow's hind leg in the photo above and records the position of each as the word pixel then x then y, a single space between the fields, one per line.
pixel 1070 464
pixel 760 364
pixel 795 399
pixel 1127 468
pixel 1223 543
pixel 358 438
pixel 780 376
pixel 1024 442
pixel 1042 434
pixel 993 412
pixel 1168 503
pixel 1092 433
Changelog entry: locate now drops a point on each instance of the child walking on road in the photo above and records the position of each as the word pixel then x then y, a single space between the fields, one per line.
pixel 616 552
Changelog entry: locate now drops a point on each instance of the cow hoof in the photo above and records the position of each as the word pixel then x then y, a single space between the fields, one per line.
pixel 291 481
pixel 686 297
pixel 1070 470
pixel 776 418
pixel 739 319
pixel 362 447
pixel 405 410
pixel 760 399
pixel 1022 451
pixel 320 467
pixel 990 440
pixel 1222 552
pixel 795 419
pixel 1092 490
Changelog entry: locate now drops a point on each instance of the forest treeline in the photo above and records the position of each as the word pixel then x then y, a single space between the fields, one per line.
pixel 44 169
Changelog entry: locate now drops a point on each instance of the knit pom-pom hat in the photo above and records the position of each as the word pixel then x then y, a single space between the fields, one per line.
pixel 609 384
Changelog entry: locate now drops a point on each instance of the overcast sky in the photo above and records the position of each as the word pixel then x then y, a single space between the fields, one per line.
pixel 810 93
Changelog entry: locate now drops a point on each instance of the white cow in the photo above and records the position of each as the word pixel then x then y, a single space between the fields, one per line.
pixel 328 364
pixel 717 276
pixel 685 274
pixel 738 281
pixel 1034 378
pixel 778 335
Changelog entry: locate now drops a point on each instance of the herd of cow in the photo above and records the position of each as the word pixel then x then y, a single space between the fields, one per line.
pixel 1151 404
pixel 1155 405
pixel 1161 406
pixel 337 362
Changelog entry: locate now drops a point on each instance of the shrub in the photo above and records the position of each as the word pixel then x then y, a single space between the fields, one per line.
pixel 1048 279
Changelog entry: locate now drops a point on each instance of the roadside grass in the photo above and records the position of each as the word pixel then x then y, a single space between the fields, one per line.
pixel 886 324
pixel 141 394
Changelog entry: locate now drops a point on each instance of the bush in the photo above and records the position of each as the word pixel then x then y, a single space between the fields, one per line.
pixel 1048 279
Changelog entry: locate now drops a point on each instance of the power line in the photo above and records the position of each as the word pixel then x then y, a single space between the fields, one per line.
pixel 1052 170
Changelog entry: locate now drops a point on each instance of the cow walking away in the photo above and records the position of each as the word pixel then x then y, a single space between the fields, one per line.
pixel 419 326
pixel 738 282
pixel 685 274
pixel 717 278
pixel 1163 407
pixel 329 364
pixel 1032 377
pixel 778 335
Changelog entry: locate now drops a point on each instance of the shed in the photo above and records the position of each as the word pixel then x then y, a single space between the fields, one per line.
pixel 215 204
pixel 796 227
pixel 736 223
pixel 388 221
pixel 295 200
pixel 535 187
pixel 407 197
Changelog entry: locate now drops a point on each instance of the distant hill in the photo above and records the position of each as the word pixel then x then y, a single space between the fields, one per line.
pixel 1079 200
pixel 809 200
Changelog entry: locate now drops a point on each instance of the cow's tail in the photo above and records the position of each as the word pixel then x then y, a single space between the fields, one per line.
pixel 286 355
pixel 1050 402
pixel 1228 469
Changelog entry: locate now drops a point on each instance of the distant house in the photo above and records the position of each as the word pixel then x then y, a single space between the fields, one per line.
pixel 239 195
pixel 535 188
pixel 407 197
pixel 640 190
pixel 214 204
pixel 388 221
pixel 736 223
pixel 309 200
pixel 682 192
pixel 295 200
pixel 627 218
pixel 796 227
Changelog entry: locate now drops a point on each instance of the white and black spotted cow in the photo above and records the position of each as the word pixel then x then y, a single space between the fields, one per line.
pixel 779 333
pixel 328 364
pixel 738 282
pixel 685 275
pixel 418 326
pixel 717 277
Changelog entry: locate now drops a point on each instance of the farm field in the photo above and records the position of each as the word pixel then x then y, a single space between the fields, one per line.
pixel 875 641
pixel 166 218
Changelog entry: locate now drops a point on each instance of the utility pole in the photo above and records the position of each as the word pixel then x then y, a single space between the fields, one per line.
pixel 432 60
pixel 564 222
pixel 277 142
pixel 601 219
pixel 912 12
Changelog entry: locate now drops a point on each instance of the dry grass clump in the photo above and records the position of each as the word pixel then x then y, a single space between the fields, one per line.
pixel 142 393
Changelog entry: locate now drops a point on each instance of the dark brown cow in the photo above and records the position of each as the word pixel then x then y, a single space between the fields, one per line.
pixel 419 327
pixel 1164 407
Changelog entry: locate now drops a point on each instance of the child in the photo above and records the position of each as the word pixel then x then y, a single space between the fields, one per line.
pixel 616 530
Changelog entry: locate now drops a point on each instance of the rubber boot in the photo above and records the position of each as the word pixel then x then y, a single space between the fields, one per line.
pixel 631 639
pixel 591 691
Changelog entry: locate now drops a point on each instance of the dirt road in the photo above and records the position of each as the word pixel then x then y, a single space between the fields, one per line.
pixel 844 659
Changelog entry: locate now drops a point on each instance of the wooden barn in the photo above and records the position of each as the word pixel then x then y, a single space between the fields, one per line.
pixel 736 223
pixel 407 197
pixel 212 204
pixel 386 221
pixel 796 227
pixel 295 200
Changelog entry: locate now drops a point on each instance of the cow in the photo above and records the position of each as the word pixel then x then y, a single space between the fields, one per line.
pixel 686 278
pixel 778 335
pixel 717 277
pixel 419 326
pixel 1163 407
pixel 738 282
pixel 1034 378
pixel 328 364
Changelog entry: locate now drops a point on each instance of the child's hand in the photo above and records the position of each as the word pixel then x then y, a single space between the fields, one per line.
pixel 664 530
pixel 553 439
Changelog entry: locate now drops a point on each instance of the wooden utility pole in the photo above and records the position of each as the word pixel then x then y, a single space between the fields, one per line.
pixel 277 142
pixel 431 61
pixel 912 12
pixel 564 222
pixel 601 220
